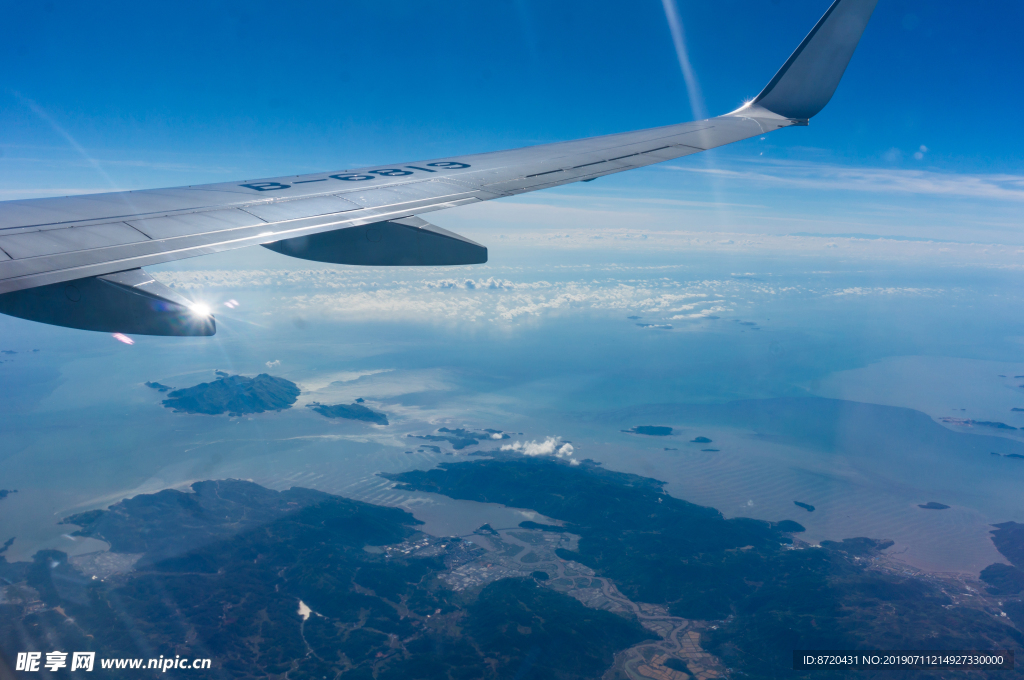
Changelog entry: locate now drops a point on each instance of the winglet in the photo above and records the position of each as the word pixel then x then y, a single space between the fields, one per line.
pixel 808 79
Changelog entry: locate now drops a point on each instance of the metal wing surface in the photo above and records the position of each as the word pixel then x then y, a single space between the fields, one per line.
pixel 48 242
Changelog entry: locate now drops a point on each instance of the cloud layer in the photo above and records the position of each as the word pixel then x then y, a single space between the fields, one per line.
pixel 551 446
pixel 1003 187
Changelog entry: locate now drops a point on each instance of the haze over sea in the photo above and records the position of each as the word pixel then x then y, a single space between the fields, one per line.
pixel 577 335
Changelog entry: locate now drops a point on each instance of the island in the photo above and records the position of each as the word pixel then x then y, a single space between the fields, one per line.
pixel 459 438
pixel 650 430
pixel 354 411
pixel 932 505
pixel 235 395
pixel 158 387
pixel 967 422
pixel 710 450
pixel 6 492
pixel 700 440
pixel 805 506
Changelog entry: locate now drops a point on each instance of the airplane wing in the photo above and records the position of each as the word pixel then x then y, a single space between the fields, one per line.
pixel 77 260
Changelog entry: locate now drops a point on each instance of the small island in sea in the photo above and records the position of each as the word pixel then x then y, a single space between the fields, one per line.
pixel 235 395
pixel 967 422
pixel 158 387
pixel 700 440
pixel 459 438
pixel 354 411
pixel 650 430
pixel 805 506
pixel 932 505
pixel 5 492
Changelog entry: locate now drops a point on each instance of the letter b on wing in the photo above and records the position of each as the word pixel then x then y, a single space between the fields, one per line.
pixel 266 186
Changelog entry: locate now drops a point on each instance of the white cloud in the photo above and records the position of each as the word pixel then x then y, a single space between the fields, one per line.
pixel 882 180
pixel 274 364
pixel 613 290
pixel 551 446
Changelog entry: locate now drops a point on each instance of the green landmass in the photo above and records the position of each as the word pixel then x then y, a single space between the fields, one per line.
pixel 355 411
pixel 1008 538
pixel 650 430
pixel 235 395
pixel 225 567
pixel 983 423
pixel 998 426
pixel 1004 580
pixel 768 597
pixel 459 439
pixel 171 523
pixel 1007 580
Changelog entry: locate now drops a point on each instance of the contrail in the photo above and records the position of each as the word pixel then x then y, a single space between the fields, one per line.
pixel 675 24
pixel 39 111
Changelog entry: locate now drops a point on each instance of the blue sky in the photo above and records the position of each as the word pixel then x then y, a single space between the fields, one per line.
pixel 134 95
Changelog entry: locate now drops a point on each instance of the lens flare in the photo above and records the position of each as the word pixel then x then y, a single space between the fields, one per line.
pixel 121 337
pixel 200 309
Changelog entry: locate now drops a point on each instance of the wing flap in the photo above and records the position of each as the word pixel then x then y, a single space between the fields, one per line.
pixel 190 224
pixel 297 209
pixel 70 239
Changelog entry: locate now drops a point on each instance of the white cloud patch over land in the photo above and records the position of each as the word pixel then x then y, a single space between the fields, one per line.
pixel 551 446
